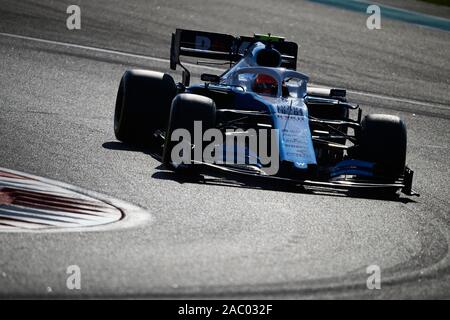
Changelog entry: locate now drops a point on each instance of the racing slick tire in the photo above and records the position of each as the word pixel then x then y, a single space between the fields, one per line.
pixel 142 105
pixel 383 142
pixel 187 108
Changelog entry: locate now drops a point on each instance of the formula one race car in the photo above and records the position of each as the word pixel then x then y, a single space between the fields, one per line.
pixel 260 119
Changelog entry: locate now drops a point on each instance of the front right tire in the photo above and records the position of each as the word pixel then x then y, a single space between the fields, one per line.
pixel 186 109
pixel 142 105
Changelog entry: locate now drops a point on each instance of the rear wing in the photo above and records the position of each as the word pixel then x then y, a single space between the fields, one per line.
pixel 224 47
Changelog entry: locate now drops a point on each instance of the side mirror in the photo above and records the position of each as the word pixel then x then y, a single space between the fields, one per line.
pixel 186 78
pixel 338 93
pixel 210 78
pixel 174 55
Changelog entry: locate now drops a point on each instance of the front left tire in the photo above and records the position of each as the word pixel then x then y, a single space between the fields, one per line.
pixel 383 141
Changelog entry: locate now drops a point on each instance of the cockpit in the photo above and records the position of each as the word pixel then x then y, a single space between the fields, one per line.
pixel 270 82
pixel 249 75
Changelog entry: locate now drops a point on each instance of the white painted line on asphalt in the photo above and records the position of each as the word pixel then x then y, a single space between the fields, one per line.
pixel 108 51
pixel 420 103
pixel 192 65
pixel 71 45
pixel 427 146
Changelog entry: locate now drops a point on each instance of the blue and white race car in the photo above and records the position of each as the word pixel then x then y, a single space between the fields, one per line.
pixel 260 119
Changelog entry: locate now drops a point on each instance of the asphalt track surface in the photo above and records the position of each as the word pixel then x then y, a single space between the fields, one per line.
pixel 215 240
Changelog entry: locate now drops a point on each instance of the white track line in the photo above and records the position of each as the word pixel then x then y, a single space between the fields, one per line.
pixel 162 60
pixel 109 51
pixel 416 102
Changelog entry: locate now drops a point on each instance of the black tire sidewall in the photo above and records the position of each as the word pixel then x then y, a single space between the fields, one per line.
pixel 142 104
pixel 187 108
pixel 383 140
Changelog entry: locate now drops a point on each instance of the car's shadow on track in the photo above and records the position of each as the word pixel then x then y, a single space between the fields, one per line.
pixel 242 182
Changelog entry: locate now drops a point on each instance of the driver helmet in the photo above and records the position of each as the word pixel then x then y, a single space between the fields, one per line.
pixel 265 84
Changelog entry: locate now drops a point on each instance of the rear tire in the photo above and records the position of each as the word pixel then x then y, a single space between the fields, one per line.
pixel 187 108
pixel 142 105
pixel 383 141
